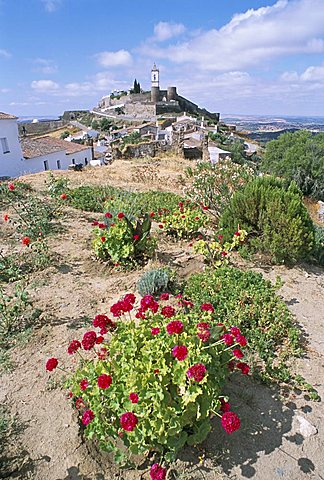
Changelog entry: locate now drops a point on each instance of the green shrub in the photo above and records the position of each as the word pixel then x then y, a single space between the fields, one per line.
pixel 273 214
pixel 154 282
pixel 185 222
pixel 90 198
pixel 318 252
pixel 57 185
pixel 251 303
pixel 160 383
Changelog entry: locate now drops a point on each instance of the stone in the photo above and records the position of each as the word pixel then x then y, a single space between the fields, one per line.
pixel 306 428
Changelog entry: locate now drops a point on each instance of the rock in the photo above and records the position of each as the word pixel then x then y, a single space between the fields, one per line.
pixel 321 210
pixel 306 428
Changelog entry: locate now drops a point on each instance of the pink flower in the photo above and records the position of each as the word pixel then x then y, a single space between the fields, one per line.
pixel 84 384
pixel 128 421
pixel 164 296
pixel 228 339
pixel 241 340
pixel 133 397
pixel 104 381
pixel 174 327
pixel 168 311
pixel 243 367
pixel 155 330
pixel 180 352
pixel 197 372
pixel 238 353
pixel 87 417
pixel 157 472
pixel 74 347
pixel 51 364
pixel 230 422
pixel 89 340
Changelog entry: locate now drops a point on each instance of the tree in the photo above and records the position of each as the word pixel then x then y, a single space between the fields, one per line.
pixel 298 156
pixel 105 124
pixel 136 87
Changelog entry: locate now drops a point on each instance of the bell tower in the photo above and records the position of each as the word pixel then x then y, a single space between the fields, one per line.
pixel 155 73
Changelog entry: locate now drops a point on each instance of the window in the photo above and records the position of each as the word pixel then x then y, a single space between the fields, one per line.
pixel 73 161
pixel 4 145
pixel 86 161
pixel 45 164
pixel 58 163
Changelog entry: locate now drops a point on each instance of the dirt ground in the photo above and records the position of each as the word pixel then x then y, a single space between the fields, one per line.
pixel 282 432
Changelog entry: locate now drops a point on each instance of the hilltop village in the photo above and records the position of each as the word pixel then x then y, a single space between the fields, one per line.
pixel 124 124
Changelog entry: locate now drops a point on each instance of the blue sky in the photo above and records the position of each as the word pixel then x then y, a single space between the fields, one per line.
pixel 230 56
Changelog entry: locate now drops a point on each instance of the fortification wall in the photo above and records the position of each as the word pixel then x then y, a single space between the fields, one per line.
pixel 40 127
pixel 140 110
pixel 149 149
pixel 173 107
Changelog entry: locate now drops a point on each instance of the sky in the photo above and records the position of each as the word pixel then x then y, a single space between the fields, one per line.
pixel 253 57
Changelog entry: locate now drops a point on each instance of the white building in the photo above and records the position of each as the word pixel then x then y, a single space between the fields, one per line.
pixel 216 154
pixel 11 157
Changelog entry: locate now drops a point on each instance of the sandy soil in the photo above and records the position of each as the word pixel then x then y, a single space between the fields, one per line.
pixel 46 442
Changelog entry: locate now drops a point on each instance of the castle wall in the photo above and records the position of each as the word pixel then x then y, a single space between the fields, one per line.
pixel 140 110
pixel 173 107
pixel 40 127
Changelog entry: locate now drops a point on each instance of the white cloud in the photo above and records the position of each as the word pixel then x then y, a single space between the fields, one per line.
pixel 165 30
pixel 4 53
pixel 44 86
pixel 4 90
pixel 291 76
pixel 45 66
pixel 313 74
pixel 251 38
pixel 51 5
pixel 114 59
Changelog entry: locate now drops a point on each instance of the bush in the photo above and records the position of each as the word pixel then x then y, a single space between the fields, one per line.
pixel 273 214
pixel 217 252
pixel 90 198
pixel 154 282
pixel 214 185
pixel 251 303
pixel 185 222
pixel 318 252
pixel 298 156
pixel 123 240
pixel 161 381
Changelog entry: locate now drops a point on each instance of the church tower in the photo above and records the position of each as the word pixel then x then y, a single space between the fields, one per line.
pixel 155 84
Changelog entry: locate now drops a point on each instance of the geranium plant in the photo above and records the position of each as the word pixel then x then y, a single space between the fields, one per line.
pixel 185 222
pixel 152 377
pixel 121 239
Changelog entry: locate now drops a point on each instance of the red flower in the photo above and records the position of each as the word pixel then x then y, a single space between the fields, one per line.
pixel 225 406
pixel 74 347
pixel 120 215
pixel 84 384
pixel 230 422
pixel 235 331
pixel 156 371
pixel 205 207
pixel 207 307
pixel 223 254
pixel 103 239
pixel 130 298
pixel 157 472
pixel 104 381
pixel 148 303
pixel 174 327
pixel 168 311
pixel 11 186
pixel 25 241
pixel 228 339
pixel 237 234
pixel 104 323
pixel 152 214
pixel 140 314
pixel 204 335
pixel 51 364
pixel 87 417
pixel 64 196
pixel 89 340
pixel 220 237
pixel 197 218
pixel 133 397
pixel 95 223
pixel 6 217
pixel 238 353
pixel 155 330
pixel 160 225
pixel 180 204
pixel 102 354
pixel 128 421
pixel 197 372
pixel 241 340
pixel 102 225
pixel 231 365
pixel 136 237
pixel 243 367
pixel 108 215
pixel 79 403
pixel 180 352
pixel 164 296
pixel 203 325
pixel 99 340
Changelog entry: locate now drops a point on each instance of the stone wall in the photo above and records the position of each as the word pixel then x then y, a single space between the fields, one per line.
pixel 40 127
pixel 140 110
pixel 149 149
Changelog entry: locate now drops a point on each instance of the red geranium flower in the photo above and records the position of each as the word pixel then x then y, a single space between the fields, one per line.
pixel 135 237
pixel 74 347
pixel 121 215
pixel 25 241
pixel 168 311
pixel 228 339
pixel 157 472
pixel 103 239
pixel 133 397
pixel 174 327
pixel 180 352
pixel 104 381
pixel 84 384
pixel 11 186
pixel 152 214
pixel 225 406
pixel 79 403
pixel 51 364
pixel 197 372
pixel 224 254
pixel 156 371
pixel 148 303
pixel 160 225
pixel 89 340
pixel 99 340
pixel 6 217
pixel 87 417
pixel 243 367
pixel 207 307
pixel 128 421
pixel 235 331
pixel 241 340
pixel 230 422
pixel 108 215
pixel 64 196
pixel 238 353
pixel 155 330
pixel 164 296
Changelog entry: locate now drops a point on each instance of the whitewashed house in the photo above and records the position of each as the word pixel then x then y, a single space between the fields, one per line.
pixel 216 154
pixel 11 157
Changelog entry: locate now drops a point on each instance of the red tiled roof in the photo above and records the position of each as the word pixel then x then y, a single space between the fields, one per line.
pixel 36 147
